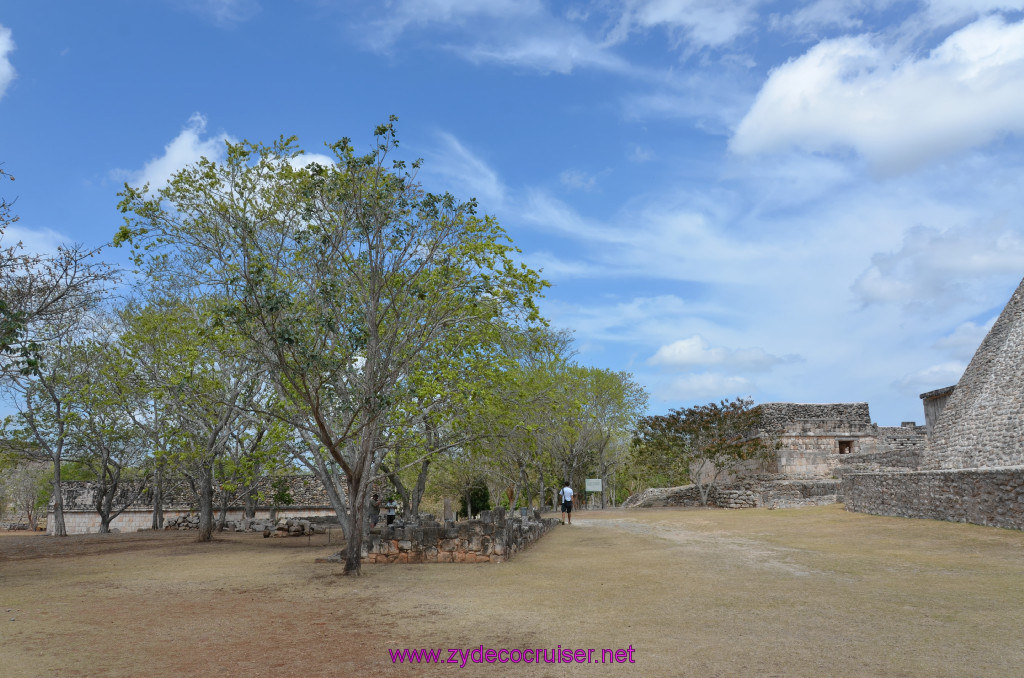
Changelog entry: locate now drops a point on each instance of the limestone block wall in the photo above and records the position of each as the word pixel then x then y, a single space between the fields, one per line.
pixel 810 448
pixel 495 537
pixel 992 496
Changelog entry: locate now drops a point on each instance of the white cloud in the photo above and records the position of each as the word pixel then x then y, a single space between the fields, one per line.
pixel 706 386
pixel 186 148
pixel 896 111
pixel 7 73
pixel 951 11
pixel 695 351
pixel 936 269
pixel 310 158
pixel 701 23
pixel 821 14
pixel 34 240
pixel 578 180
pixel 391 22
pixel 555 267
pixel 470 176
pixel 558 49
pixel 931 378
pixel 962 342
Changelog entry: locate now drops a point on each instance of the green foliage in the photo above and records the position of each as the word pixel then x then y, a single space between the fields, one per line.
pixel 363 297
pixel 479 498
pixel 699 442
pixel 282 494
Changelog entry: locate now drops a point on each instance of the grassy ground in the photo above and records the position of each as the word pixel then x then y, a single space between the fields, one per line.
pixel 807 592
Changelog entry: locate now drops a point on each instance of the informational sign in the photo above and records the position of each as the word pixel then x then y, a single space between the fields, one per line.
pixel 593 484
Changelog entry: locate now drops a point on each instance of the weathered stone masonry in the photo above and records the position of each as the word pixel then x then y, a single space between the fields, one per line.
pixel 993 496
pixel 494 538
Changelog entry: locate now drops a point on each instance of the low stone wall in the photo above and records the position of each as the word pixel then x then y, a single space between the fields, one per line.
pixel 756 493
pixel 495 537
pixel 133 520
pixel 988 496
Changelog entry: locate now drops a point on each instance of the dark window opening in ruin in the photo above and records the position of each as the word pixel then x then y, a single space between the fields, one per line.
pixel 845 446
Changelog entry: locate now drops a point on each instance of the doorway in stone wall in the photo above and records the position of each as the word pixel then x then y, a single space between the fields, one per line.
pixel 845 446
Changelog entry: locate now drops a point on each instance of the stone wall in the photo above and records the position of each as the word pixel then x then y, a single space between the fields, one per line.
pixel 495 537
pixel 776 416
pixel 759 492
pixel 896 447
pixel 992 496
pixel 934 402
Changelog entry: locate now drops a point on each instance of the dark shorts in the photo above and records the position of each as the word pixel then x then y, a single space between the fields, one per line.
pixel 566 507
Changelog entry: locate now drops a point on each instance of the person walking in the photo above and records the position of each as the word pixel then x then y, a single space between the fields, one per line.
pixel 565 494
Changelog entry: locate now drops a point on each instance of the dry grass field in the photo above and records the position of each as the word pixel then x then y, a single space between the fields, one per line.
pixel 807 592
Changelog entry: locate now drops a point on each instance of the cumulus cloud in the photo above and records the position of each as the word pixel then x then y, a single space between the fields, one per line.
pixel 897 111
pixel 695 351
pixel 7 72
pixel 936 268
pixel 186 148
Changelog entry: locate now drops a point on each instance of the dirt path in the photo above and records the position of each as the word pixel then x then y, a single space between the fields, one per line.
pixel 809 592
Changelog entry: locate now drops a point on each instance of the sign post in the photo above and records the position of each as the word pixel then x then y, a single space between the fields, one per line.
pixel 593 485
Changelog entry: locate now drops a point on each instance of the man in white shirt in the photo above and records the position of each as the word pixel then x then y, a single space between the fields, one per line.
pixel 566 496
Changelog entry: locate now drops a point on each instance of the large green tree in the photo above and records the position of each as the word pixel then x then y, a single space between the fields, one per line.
pixel 341 276
pixel 703 441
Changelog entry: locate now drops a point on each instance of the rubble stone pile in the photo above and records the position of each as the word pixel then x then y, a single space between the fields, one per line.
pixel 285 527
pixel 761 491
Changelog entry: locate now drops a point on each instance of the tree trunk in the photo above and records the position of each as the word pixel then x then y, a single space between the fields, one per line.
pixel 421 487
pixel 352 524
pixel 249 501
pixel 59 529
pixel 223 518
pixel 206 505
pixel 158 497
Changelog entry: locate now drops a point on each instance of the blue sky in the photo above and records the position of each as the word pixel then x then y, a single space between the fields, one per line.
pixel 812 202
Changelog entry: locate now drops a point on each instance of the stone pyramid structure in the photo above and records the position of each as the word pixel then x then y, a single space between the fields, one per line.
pixel 982 425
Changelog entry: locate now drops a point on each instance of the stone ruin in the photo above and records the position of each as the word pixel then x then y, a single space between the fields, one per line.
pixel 817 443
pixel 496 536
